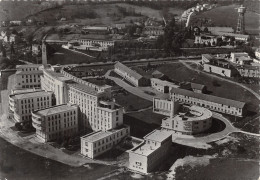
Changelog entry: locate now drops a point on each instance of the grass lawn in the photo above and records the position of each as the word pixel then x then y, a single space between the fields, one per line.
pixel 180 73
pixel 131 102
pixel 148 117
pixel 227 16
pixel 65 56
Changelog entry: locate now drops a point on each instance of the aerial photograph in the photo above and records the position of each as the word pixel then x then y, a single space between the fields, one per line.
pixel 129 89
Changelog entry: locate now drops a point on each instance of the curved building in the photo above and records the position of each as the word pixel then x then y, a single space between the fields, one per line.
pixel 190 120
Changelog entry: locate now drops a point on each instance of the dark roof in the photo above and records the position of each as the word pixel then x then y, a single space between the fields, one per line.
pixel 197 86
pixel 210 98
pixel 128 70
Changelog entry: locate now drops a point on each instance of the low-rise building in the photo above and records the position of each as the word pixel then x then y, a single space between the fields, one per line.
pixel 257 53
pixel 153 30
pixel 240 58
pixel 190 120
pixel 214 103
pixel 99 142
pixel 21 104
pixel 36 49
pixel 96 29
pixel 151 153
pixel 28 76
pixel 162 85
pixel 249 71
pixel 130 75
pixel 195 87
pixel 220 67
pixel 56 122
pixel 206 39
pixel 103 44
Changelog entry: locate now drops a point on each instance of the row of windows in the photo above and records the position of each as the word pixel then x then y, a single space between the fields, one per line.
pixel 38 99
pixel 29 76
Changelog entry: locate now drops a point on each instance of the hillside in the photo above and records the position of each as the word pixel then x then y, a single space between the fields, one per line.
pixel 227 16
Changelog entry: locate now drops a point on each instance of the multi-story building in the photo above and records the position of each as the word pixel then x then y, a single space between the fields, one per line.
pixel 22 104
pixel 189 120
pixel 97 143
pixel 28 76
pixel 130 75
pixel 165 107
pixel 152 152
pixel 98 111
pixel 211 102
pixel 53 80
pixel 162 85
pixel 56 122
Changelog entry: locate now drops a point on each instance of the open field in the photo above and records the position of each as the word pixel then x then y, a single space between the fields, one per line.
pixel 227 16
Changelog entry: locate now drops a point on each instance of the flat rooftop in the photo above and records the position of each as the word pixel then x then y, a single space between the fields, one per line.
pixel 55 109
pixel 29 94
pixel 84 88
pixel 195 113
pixel 28 72
pixel 95 136
pixel 57 75
pixel 158 135
pixel 28 66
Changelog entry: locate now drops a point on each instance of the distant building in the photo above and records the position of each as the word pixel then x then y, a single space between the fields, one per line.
pixel 211 102
pixel 257 53
pixel 56 122
pixel 130 75
pixel 89 44
pixel 249 71
pixel 36 49
pixel 152 152
pixel 153 30
pixel 21 104
pixel 99 142
pixel 206 39
pixel 190 120
pixel 28 76
pixel 241 58
pixel 96 29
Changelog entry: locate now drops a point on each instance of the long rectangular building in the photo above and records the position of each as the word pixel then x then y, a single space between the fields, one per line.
pixel 130 75
pixel 214 103
pixel 97 143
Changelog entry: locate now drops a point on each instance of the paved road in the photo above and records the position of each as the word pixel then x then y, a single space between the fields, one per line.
pixel 224 79
pixel 134 90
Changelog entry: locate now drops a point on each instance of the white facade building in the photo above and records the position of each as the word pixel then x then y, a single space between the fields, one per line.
pixel 56 122
pixel 22 104
pixel 28 76
pixel 162 85
pixel 152 152
pixel 190 120
pixel 97 143
pixel 53 80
